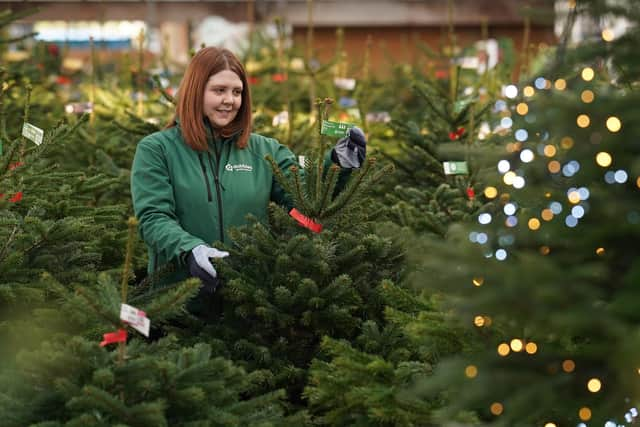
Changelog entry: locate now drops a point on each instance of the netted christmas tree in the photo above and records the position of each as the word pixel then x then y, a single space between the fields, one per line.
pixel 550 278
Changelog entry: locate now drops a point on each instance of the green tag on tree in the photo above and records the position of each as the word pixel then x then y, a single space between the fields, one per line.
pixel 338 129
pixel 455 168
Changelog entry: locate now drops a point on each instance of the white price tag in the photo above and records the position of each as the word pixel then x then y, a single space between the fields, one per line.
pixel 301 160
pixel 32 133
pixel 346 84
pixel 280 119
pixel 136 318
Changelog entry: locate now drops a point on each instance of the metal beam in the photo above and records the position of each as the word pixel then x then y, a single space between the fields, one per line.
pixel 326 13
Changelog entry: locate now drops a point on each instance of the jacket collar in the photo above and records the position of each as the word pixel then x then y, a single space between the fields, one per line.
pixel 210 136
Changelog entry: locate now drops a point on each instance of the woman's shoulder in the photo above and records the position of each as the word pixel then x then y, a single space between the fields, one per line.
pixel 261 143
pixel 162 137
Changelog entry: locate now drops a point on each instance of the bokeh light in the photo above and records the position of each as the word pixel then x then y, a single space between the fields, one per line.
pixel 603 159
pixel 568 365
pixel 587 74
pixel 471 371
pixel 496 408
pixel 504 349
pixel 614 124
pixel 583 121
pixel 587 96
pixel 607 35
pixel 594 385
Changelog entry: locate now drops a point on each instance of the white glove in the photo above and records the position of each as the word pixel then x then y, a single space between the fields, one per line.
pixel 200 266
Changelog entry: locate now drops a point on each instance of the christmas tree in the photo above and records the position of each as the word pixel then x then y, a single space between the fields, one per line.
pixel 549 277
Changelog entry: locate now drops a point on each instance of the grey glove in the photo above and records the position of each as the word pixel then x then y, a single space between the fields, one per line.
pixel 351 150
pixel 200 266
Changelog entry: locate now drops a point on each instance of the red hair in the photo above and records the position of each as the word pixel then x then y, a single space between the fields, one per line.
pixel 189 109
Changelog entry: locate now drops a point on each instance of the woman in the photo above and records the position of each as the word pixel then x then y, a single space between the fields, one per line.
pixel 206 171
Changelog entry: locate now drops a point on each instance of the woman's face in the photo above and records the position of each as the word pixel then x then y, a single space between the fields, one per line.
pixel 222 98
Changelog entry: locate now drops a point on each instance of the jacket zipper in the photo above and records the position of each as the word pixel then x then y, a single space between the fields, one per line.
pixel 204 175
pixel 218 191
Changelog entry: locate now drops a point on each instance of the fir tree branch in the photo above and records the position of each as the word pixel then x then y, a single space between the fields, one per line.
pixel 329 186
pixel 17 39
pixel 91 302
pixel 165 94
pixel 7 243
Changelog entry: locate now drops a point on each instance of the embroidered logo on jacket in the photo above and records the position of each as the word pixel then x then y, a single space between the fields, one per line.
pixel 238 168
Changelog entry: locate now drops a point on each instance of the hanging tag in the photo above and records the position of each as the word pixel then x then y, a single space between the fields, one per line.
pixel 79 108
pixel 346 84
pixel 301 160
pixel 455 168
pixel 32 133
pixel 136 318
pixel 282 118
pixel 346 102
pixel 378 117
pixel 305 221
pixel 113 337
pixel 338 129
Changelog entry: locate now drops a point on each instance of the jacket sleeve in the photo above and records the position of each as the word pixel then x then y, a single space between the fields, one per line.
pixel 154 204
pixel 285 158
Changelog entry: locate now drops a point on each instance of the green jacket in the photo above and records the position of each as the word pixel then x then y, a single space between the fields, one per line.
pixel 184 198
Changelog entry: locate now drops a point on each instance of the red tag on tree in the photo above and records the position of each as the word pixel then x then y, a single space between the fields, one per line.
pixel 16 197
pixel 455 135
pixel 471 193
pixel 278 77
pixel 305 221
pixel 112 337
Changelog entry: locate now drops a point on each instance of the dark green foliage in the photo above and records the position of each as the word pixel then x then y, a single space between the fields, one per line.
pixel 570 285
pixel 76 383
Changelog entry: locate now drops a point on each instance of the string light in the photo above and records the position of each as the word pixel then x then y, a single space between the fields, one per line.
pixel 600 251
pixel 550 425
pixel 478 321
pixel 496 408
pixel 528 91
pixel 545 250
pixel 554 166
pixel 584 413
pixel 587 74
pixel 603 159
pixel 614 124
pixel 504 349
pixel 522 108
pixel 534 224
pixel 568 365
pixel 547 214
pixel 471 371
pixel 594 385
pixel 560 84
pixel 531 348
pixel 549 150
pixel 478 281
pixel 566 142
pixel 490 192
pixel 583 121
pixel 574 196
pixel 516 345
pixel 607 35
pixel 587 96
pixel 509 177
